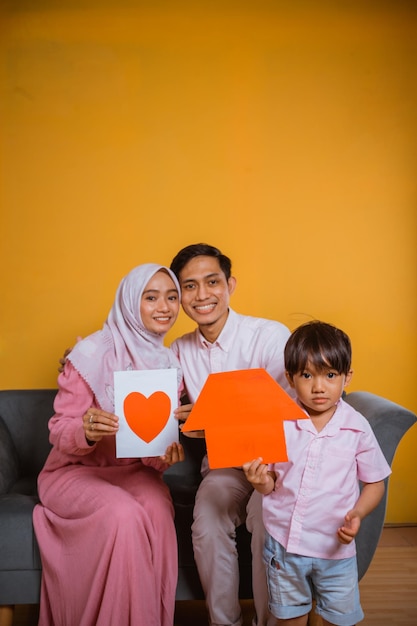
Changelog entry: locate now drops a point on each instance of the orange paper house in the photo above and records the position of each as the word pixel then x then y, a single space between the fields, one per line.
pixel 242 414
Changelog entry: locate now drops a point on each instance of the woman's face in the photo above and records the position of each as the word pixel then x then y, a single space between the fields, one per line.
pixel 160 304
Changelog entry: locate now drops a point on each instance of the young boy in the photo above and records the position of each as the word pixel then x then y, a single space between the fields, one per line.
pixel 312 505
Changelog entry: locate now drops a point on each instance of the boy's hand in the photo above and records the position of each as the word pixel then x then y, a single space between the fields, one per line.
pixel 256 472
pixel 350 529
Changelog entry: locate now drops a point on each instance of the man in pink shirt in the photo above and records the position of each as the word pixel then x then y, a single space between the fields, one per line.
pixel 224 341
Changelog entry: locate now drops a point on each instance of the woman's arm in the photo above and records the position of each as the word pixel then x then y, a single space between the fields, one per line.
pixel 78 422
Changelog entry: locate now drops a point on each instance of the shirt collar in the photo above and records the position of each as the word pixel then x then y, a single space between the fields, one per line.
pixel 225 339
pixel 341 419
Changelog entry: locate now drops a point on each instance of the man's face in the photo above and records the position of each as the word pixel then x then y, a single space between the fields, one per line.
pixel 205 294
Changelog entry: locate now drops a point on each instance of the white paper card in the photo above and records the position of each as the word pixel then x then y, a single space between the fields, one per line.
pixel 144 403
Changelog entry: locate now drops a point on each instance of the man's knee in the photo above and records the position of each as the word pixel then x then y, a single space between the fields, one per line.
pixel 254 521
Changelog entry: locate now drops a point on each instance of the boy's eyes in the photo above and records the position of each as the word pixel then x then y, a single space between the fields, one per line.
pixel 329 375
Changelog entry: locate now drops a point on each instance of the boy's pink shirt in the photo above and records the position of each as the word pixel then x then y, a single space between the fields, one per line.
pixel 319 484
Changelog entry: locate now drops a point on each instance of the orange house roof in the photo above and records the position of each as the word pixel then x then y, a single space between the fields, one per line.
pixel 242 413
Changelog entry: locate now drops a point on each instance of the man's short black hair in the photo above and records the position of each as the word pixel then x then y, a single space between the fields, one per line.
pixel 323 345
pixel 200 249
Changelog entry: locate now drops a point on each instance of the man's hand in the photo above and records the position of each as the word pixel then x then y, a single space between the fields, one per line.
pixel 182 413
pixel 63 360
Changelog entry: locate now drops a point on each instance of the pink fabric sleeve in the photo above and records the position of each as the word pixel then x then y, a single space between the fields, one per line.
pixel 73 399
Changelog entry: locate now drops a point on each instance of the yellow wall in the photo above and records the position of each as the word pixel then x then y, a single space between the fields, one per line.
pixel 282 132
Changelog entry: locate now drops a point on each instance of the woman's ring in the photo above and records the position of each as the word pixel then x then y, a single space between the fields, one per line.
pixel 92 427
pixel 91 419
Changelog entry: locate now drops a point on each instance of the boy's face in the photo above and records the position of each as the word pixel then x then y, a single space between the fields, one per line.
pixel 319 390
pixel 205 293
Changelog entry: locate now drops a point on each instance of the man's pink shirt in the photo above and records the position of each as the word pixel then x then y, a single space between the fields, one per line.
pixel 245 343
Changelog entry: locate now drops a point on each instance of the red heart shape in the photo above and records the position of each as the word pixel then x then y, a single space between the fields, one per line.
pixel 147 417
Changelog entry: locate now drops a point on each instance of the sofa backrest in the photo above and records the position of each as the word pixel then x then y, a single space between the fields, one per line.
pixel 26 414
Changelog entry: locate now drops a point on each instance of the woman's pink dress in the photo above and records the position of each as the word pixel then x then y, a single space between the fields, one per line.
pixel 104 526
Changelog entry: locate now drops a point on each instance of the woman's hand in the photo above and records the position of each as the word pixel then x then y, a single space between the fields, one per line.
pixel 173 454
pixel 98 424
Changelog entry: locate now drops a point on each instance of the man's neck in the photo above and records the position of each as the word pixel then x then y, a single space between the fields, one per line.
pixel 211 332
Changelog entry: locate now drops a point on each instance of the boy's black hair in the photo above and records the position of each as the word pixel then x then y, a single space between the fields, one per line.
pixel 322 344
pixel 200 249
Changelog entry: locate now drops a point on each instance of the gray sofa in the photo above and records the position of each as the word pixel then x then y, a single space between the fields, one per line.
pixel 24 445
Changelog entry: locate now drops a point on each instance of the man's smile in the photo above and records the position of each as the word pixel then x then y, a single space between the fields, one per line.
pixel 204 308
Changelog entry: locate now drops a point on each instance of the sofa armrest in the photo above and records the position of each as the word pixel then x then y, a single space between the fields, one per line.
pixel 390 422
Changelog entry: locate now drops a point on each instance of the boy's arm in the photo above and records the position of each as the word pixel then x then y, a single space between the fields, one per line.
pixel 369 498
pixel 259 477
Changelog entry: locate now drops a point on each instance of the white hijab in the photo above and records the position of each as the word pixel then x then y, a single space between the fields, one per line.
pixel 123 343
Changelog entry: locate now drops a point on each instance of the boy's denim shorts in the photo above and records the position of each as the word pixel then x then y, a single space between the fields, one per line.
pixel 294 580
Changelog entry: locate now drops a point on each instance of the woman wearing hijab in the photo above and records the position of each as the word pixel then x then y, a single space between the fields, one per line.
pixel 105 525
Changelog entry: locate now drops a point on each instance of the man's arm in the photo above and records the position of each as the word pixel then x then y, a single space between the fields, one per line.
pixel 274 339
